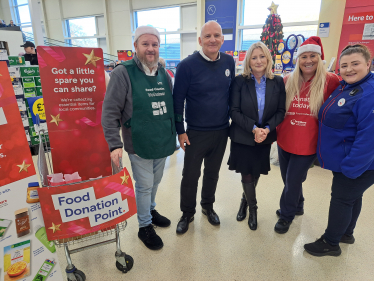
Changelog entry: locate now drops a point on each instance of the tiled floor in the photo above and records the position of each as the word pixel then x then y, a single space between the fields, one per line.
pixel 232 251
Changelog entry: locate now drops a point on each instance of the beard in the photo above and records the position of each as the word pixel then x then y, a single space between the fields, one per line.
pixel 150 64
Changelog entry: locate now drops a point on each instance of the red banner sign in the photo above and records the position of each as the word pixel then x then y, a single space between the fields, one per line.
pixel 73 84
pixel 363 17
pixel 242 55
pixel 15 157
pixel 358 25
pixel 124 55
pixel 86 207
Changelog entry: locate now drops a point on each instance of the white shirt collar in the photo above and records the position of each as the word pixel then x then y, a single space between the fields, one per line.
pixel 148 72
pixel 208 59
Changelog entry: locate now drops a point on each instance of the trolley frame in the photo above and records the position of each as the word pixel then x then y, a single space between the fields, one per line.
pixel 124 262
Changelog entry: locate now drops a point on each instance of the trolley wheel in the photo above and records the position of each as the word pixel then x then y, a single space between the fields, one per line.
pixel 79 275
pixel 129 263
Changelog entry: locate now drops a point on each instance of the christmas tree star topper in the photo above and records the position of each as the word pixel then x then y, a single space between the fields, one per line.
pixel 273 8
pixel 91 58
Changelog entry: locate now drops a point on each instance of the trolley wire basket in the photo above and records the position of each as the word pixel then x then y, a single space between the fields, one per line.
pixel 124 262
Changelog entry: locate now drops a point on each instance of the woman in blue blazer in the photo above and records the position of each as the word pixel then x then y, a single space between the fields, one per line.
pixel 346 147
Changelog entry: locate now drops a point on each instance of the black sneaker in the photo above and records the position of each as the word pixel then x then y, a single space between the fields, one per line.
pixel 300 213
pixel 282 226
pixel 159 220
pixel 149 237
pixel 348 239
pixel 322 248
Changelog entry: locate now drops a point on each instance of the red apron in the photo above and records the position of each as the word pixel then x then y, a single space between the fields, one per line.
pixel 298 133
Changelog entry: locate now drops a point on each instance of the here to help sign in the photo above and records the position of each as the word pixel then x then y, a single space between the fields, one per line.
pixel 85 207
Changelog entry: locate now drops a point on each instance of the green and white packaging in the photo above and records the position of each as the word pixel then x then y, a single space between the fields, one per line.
pixel 32 132
pixel 38 83
pixel 35 139
pixel 16 60
pixel 29 92
pixel 4 224
pixel 28 82
pixel 29 71
pixel 39 91
pixel 44 271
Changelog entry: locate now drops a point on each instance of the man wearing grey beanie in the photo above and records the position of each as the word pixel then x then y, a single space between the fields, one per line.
pixel 139 98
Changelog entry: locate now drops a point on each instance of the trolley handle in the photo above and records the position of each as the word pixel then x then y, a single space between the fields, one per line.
pixel 116 169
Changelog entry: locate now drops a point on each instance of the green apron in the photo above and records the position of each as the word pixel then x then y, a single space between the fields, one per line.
pixel 152 122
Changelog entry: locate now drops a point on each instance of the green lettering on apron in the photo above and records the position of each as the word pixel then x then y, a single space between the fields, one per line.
pixel 152 121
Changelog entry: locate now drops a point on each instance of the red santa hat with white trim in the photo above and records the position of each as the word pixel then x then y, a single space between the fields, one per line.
pixel 312 44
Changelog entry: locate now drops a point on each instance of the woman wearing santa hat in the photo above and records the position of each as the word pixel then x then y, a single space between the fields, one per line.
pixel 307 87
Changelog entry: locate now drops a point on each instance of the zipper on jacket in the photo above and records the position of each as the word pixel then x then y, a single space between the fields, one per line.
pixel 322 118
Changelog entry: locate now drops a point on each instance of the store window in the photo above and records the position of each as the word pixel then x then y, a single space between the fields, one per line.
pixel 298 16
pixel 166 19
pixel 81 32
pixel 21 17
pixel 168 22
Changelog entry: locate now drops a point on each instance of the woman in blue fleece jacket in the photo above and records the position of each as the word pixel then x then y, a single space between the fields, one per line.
pixel 346 147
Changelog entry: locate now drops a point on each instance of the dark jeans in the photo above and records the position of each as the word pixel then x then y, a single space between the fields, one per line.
pixel 345 204
pixel 294 169
pixel 209 146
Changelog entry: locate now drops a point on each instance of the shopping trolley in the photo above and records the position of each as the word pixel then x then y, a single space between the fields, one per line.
pixel 124 262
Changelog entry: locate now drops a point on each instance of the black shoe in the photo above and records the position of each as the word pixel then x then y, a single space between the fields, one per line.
pixel 348 239
pixel 300 213
pixel 149 237
pixel 252 220
pixel 282 226
pixel 159 220
pixel 322 248
pixel 212 216
pixel 242 210
pixel 183 223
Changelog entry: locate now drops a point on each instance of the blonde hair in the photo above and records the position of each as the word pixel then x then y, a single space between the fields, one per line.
pixel 315 91
pixel 247 68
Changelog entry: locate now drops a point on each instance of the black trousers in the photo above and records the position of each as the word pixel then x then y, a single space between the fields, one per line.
pixel 345 204
pixel 209 146
pixel 294 169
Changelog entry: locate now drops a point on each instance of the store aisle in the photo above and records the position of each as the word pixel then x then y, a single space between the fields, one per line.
pixel 232 251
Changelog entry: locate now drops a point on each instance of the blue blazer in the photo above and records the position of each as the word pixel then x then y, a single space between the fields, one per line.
pixel 346 129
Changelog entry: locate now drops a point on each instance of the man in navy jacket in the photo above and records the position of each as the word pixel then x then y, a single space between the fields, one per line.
pixel 202 83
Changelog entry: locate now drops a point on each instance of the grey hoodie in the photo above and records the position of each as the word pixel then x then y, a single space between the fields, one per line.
pixel 117 107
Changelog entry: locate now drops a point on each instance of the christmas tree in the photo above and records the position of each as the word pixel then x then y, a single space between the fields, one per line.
pixel 272 31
